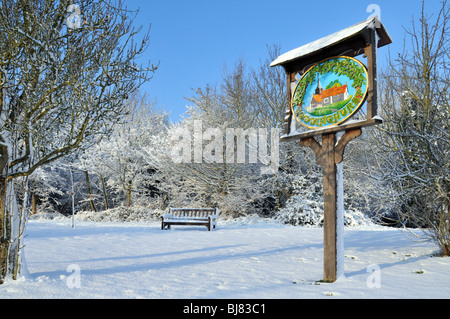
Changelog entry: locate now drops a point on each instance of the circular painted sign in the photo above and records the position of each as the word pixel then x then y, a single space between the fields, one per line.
pixel 330 92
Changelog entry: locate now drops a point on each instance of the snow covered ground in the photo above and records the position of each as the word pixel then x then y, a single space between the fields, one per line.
pixel 238 260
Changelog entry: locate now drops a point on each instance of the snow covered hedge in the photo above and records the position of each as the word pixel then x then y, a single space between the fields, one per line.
pixel 118 214
pixel 121 214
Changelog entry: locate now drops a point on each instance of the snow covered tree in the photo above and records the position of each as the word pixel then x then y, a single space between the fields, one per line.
pixel 414 141
pixel 269 89
pixel 240 112
pixel 65 71
pixel 211 174
pixel 50 187
pixel 207 174
pixel 127 164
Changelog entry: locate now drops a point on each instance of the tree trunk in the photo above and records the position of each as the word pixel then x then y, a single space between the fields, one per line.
pixel 33 197
pixel 446 250
pixel 88 185
pixel 33 204
pixel 5 233
pixel 11 230
pixel 104 192
pixel 128 197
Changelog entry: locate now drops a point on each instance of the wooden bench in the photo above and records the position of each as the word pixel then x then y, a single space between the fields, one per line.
pixel 190 216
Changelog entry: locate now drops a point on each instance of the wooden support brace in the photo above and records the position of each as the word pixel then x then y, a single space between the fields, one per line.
pixel 314 145
pixel 338 150
pixel 343 141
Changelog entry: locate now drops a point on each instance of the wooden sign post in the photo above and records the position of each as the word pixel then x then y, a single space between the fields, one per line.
pixel 328 155
pixel 326 110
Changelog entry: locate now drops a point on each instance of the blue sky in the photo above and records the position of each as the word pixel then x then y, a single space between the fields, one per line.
pixel 194 40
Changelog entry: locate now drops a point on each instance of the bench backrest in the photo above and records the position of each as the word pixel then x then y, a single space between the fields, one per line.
pixel 193 212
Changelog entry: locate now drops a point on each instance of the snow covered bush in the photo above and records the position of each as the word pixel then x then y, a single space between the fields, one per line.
pixel 305 207
pixel 122 214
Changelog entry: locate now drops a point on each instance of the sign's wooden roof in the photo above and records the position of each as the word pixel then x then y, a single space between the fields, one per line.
pixel 347 42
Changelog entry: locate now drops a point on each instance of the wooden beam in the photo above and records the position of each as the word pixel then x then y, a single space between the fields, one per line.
pixel 329 208
pixel 328 155
pixel 334 129
pixel 288 115
pixel 315 146
pixel 370 52
pixel 348 47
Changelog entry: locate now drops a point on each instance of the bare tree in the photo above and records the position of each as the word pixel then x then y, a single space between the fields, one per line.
pixel 414 142
pixel 127 162
pixel 269 89
pixel 65 71
pixel 248 102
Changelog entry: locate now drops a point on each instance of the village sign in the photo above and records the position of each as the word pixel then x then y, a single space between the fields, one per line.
pixel 330 92
pixel 326 86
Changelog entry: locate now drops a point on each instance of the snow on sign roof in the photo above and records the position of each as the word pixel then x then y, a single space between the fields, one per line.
pixel 332 39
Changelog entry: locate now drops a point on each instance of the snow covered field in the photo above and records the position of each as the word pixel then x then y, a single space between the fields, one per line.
pixel 238 260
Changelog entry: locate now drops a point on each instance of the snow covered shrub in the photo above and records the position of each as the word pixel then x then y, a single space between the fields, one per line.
pixel 305 206
pixel 121 214
pixel 300 212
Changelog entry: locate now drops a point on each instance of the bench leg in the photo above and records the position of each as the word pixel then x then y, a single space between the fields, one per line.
pixel 164 226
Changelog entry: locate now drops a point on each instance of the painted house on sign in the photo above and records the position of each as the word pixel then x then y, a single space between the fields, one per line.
pixel 336 93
